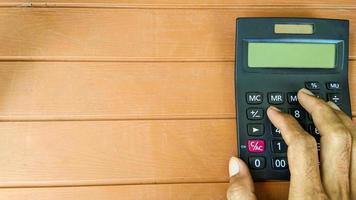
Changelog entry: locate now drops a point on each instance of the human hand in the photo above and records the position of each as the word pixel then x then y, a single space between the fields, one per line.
pixel 336 178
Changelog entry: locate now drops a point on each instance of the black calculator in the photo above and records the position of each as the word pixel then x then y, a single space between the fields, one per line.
pixel 275 57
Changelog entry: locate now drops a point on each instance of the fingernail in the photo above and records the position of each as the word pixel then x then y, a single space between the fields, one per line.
pixel 333 105
pixel 275 108
pixel 305 91
pixel 234 167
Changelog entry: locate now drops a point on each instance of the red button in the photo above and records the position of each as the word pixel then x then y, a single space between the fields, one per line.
pixel 256 146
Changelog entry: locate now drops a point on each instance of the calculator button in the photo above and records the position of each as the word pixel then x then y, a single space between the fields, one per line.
pixel 318 95
pixel 336 98
pixel 275 131
pixel 279 146
pixel 255 129
pixel 280 163
pixel 257 162
pixel 313 85
pixel 297 113
pixel 276 98
pixel 254 97
pixel 254 113
pixel 333 86
pixel 292 98
pixel 314 131
pixel 318 146
pixel 256 146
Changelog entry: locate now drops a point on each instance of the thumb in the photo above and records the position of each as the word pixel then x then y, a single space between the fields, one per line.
pixel 241 184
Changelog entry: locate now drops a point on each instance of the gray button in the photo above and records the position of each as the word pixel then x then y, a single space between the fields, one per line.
pixel 333 86
pixel 336 98
pixel 255 129
pixel 254 97
pixel 275 98
pixel 254 113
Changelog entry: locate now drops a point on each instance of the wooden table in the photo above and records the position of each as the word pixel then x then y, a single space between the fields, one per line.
pixel 111 100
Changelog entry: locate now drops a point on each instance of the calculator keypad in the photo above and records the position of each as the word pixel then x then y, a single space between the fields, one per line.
pixel 265 144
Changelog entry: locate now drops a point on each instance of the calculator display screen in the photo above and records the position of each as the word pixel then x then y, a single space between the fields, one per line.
pixel 291 55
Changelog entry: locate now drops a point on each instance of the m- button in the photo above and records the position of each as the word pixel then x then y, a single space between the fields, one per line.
pixel 275 98
pixel 254 97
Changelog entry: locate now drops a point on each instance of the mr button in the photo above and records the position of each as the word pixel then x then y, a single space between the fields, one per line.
pixel 275 98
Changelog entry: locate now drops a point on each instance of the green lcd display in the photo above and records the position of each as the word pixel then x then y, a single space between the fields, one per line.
pixel 291 55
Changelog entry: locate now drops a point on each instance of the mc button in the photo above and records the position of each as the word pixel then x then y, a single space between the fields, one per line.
pixel 254 97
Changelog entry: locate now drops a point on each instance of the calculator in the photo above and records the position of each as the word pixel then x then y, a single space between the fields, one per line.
pixel 275 57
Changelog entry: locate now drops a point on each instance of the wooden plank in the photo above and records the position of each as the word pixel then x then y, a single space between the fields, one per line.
pixel 135 34
pixel 102 91
pixel 215 191
pixel 61 91
pixel 176 3
pixel 206 191
pixel 115 152
pixel 83 153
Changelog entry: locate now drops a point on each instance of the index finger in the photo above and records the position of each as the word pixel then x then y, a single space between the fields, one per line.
pixel 302 155
pixel 335 142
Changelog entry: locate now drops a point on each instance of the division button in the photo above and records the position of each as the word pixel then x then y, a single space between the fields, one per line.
pixel 255 129
pixel 254 97
pixel 275 98
pixel 336 98
pixel 257 162
pixel 254 113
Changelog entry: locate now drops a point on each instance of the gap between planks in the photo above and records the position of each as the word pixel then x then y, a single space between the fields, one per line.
pixel 114 59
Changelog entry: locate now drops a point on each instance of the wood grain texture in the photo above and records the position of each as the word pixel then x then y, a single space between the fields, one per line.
pixel 107 91
pixel 142 102
pixel 178 4
pixel 83 153
pixel 206 191
pixel 61 91
pixel 115 152
pixel 134 34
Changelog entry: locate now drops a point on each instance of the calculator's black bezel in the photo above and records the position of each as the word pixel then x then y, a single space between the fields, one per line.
pixel 263 29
